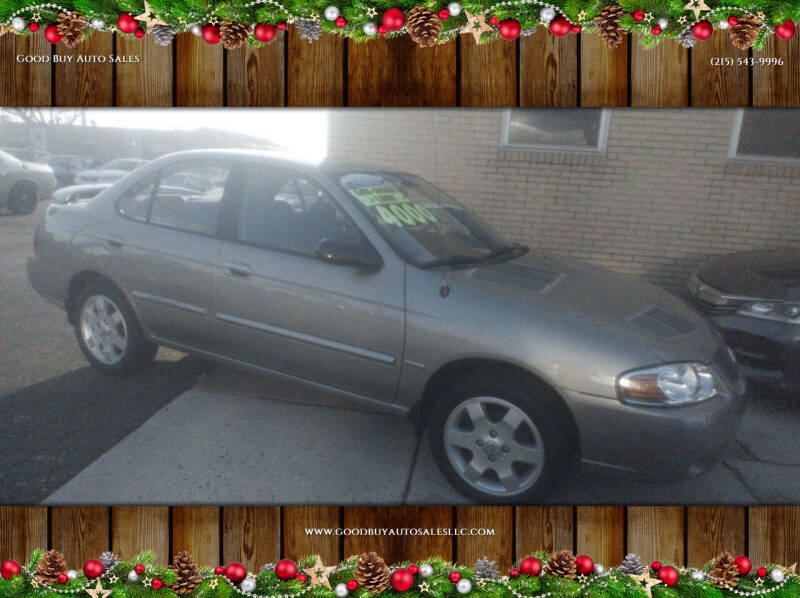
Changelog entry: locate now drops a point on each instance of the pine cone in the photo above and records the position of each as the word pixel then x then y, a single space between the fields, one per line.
pixel 188 575
pixel 163 34
pixel 423 26
pixel 608 26
pixel 70 27
pixel 632 564
pixel 486 569
pixel 372 573
pixel 745 33
pixel 109 560
pixel 233 35
pixel 561 563
pixel 725 571
pixel 50 566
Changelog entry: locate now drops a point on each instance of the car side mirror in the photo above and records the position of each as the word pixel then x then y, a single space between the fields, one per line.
pixel 346 253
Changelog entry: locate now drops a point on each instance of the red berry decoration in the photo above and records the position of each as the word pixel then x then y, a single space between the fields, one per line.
pixel 668 575
pixel 286 569
pixel 733 20
pixel 236 572
pixel 761 571
pixel 560 27
pixel 702 30
pixel 444 14
pixel 656 30
pixel 10 568
pixel 786 30
pixel 576 28
pixel 219 570
pixel 126 23
pixel 744 564
pixel 281 26
pixel 93 568
pixel 394 19
pixel 157 583
pixel 62 578
pixel 301 578
pixel 413 569
pixel 139 33
pixel 383 29
pixel 34 27
pixel 264 32
pixel 211 34
pixel 352 585
pixel 455 576
pixel 139 568
pixel 655 565
pixel 402 580
pixel 530 565
pixel 638 15
pixel 514 573
pixel 341 22
pixel 584 564
pixel 509 29
pixel 494 21
pixel 52 35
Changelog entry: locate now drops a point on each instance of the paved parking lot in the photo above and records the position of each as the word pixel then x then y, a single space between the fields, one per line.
pixel 189 432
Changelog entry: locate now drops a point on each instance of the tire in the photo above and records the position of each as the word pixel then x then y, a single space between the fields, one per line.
pixel 107 331
pixel 23 197
pixel 490 459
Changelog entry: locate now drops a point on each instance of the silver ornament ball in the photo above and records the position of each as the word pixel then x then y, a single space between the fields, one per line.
pixel 98 24
pixel 332 13
pixel 698 575
pixel 464 586
pixel 723 24
pixel 425 571
pixel 777 575
pixel 197 29
pixel 341 590
pixel 547 14
pixel 454 8
pixel 132 576
pixel 72 574
pixel 18 23
pixel 663 23
pixel 370 28
pixel 599 569
pixel 248 585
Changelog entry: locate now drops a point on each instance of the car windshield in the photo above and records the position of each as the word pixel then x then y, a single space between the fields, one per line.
pixel 121 165
pixel 422 223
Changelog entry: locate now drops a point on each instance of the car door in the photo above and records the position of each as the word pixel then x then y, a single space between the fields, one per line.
pixel 163 245
pixel 288 311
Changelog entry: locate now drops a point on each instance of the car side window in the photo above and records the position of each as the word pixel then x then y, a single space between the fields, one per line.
pixel 284 211
pixel 189 196
pixel 135 202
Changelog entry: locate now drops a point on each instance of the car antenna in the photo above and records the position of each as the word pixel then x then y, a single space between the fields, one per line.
pixel 444 290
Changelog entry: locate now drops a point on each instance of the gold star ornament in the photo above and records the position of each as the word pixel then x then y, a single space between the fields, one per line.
pixel 792 570
pixel 424 587
pixel 582 15
pixel 646 582
pixel 214 583
pixel 148 18
pixel 372 12
pixel 476 25
pixel 99 591
pixel 682 20
pixel 113 579
pixel 648 16
pixel 319 574
pixel 4 30
pixel 696 6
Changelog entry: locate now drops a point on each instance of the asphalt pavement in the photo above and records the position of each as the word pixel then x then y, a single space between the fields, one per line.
pixel 187 432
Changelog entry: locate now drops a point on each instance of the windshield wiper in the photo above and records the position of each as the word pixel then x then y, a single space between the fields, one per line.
pixel 465 260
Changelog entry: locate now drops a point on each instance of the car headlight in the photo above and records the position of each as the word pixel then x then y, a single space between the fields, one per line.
pixel 768 310
pixel 667 385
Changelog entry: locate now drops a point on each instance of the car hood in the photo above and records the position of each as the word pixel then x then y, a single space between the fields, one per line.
pixel 600 299
pixel 772 274
pixel 34 167
pixel 97 174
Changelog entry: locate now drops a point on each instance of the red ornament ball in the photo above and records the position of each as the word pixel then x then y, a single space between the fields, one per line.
pixel 656 30
pixel 444 14
pixel 733 20
pixel 744 564
pixel 264 32
pixel 34 27
pixel 211 34
pixel 638 15
pixel 286 569
pixel 514 573
pixel 62 578
pixel 786 30
pixel 10 568
pixel 394 19
pixel 576 28
pixel 530 565
pixel 584 564
pixel 139 568
pixel 341 22
pixel 281 26
pixel 157 583
pixel 236 572
pixel 494 21
pixel 383 29
pixel 93 568
pixel 509 29
pixel 219 570
pixel 52 35
pixel 761 571
pixel 301 578
pixel 455 576
pixel 668 575
pixel 139 33
pixel 655 565
pixel 402 580
pixel 413 569
pixel 702 30
pixel 126 23
pixel 560 27
pixel 352 585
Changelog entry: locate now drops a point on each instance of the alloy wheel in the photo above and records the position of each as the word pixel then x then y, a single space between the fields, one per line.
pixel 103 329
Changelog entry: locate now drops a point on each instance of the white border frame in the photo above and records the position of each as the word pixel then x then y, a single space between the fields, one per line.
pixel 600 148
pixel 736 132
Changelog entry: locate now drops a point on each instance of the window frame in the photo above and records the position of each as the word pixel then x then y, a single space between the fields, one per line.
pixel 600 148
pixel 734 155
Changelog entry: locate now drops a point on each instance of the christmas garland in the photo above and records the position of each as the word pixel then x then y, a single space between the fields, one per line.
pixel 236 22
pixel 541 575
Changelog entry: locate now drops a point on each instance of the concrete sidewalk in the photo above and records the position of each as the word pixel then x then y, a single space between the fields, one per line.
pixel 243 438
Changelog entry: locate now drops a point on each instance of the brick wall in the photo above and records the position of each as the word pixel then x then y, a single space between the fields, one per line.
pixel 661 200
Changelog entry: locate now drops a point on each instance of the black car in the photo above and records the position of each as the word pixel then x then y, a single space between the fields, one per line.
pixel 753 298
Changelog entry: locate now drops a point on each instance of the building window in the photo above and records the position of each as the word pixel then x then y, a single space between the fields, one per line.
pixel 766 135
pixel 582 130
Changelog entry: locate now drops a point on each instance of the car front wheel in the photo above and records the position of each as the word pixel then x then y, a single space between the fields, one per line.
pixel 23 197
pixel 500 440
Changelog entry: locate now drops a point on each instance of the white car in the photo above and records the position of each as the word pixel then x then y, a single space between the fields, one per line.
pixel 110 172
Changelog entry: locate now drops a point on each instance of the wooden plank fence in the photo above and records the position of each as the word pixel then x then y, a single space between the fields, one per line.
pixel 255 535
pixel 538 70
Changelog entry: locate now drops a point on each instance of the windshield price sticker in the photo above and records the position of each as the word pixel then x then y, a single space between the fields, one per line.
pixel 393 207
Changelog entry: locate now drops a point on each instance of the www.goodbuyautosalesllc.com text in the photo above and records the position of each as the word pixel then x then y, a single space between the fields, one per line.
pixel 80 58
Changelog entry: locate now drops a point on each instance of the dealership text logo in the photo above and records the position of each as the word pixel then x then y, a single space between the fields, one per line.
pixel 80 58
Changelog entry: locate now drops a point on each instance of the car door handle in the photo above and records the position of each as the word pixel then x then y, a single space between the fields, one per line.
pixel 113 242
pixel 241 270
